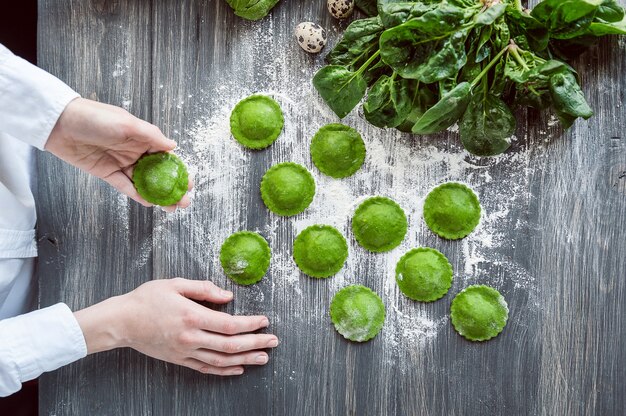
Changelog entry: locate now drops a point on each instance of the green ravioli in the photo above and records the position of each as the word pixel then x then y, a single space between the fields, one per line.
pixel 379 224
pixel 256 121
pixel 357 313
pixel 287 188
pixel 479 313
pixel 245 257
pixel 161 178
pixel 452 210
pixel 337 150
pixel 424 274
pixel 320 250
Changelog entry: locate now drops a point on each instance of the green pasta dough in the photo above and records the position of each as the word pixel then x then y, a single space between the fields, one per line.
pixel 379 224
pixel 287 188
pixel 320 250
pixel 357 312
pixel 245 257
pixel 161 178
pixel 424 274
pixel 479 313
pixel 337 150
pixel 452 210
pixel 256 121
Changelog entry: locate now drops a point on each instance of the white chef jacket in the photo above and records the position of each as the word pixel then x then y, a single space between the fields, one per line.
pixel 31 101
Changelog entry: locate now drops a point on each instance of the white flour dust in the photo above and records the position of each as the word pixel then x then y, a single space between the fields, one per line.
pixel 400 166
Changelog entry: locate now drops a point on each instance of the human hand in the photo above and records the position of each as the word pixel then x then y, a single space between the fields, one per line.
pixel 159 319
pixel 106 141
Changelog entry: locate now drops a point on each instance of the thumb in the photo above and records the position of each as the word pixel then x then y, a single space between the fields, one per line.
pixel 202 290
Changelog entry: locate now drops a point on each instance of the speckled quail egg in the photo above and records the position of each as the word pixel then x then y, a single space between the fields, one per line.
pixel 340 9
pixel 311 37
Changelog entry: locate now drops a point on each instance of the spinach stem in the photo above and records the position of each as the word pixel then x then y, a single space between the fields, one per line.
pixel 488 67
pixel 518 57
pixel 367 63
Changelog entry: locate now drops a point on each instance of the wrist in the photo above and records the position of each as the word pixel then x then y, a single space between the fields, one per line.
pixel 103 325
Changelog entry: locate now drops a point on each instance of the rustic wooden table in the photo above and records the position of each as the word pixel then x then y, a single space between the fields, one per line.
pixel 553 237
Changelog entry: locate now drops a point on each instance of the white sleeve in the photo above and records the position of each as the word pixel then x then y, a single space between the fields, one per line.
pixel 31 100
pixel 40 341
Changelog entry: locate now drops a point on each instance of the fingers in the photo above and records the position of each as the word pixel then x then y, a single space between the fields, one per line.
pixel 223 323
pixel 221 360
pixel 236 343
pixel 205 368
pixel 122 183
pixel 202 290
pixel 155 139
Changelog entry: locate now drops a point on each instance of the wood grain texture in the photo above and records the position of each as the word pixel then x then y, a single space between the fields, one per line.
pixel 173 63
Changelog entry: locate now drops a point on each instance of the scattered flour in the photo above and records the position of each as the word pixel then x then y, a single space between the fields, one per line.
pixel 400 166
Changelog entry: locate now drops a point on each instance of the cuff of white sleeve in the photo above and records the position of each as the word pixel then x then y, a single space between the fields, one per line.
pixel 45 340
pixel 31 99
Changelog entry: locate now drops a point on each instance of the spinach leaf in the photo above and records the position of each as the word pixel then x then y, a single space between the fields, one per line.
pixel 367 6
pixel 394 13
pixel 610 12
pixel 602 29
pixel 341 88
pixel 567 97
pixel 359 42
pixel 446 112
pixel 521 23
pixel 490 14
pixel 423 99
pixel 566 19
pixel 425 50
pixel 486 125
pixel 252 9
pixel 389 101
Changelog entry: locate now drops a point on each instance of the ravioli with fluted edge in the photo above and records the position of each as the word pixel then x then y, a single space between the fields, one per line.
pixel 357 312
pixel 452 210
pixel 256 121
pixel 479 313
pixel 424 274
pixel 320 250
pixel 337 150
pixel 245 257
pixel 379 224
pixel 287 188
pixel 161 178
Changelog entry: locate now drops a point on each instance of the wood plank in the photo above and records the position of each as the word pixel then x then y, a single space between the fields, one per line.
pixel 550 240
pixel 92 241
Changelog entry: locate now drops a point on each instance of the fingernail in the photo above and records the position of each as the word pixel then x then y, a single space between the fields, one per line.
pixel 226 293
pixel 273 343
pixel 237 372
pixel 261 359
pixel 265 323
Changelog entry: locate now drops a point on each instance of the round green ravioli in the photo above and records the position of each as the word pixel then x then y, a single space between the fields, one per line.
pixel 357 313
pixel 379 224
pixel 256 121
pixel 245 257
pixel 424 274
pixel 320 250
pixel 452 210
pixel 287 188
pixel 479 313
pixel 337 150
pixel 161 178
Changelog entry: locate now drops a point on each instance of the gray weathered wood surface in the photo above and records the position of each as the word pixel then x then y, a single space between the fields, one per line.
pixel 562 352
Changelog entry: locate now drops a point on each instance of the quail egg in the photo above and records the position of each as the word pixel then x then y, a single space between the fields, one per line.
pixel 311 37
pixel 340 9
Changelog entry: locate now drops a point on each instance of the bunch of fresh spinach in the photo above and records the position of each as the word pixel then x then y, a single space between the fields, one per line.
pixel 425 65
